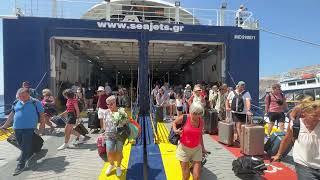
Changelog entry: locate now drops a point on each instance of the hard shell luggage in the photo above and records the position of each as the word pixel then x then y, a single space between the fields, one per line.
pixel 252 139
pixel 273 144
pixel 211 122
pixel 159 113
pixel 226 130
pixel 93 121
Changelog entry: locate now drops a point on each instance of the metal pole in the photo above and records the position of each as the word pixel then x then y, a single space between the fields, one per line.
pixel 54 8
pixel 108 11
pixel 177 14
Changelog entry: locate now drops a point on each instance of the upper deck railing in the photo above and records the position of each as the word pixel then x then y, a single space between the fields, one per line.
pixel 151 11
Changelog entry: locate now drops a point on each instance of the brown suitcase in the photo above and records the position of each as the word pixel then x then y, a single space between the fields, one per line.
pixel 252 139
pixel 226 131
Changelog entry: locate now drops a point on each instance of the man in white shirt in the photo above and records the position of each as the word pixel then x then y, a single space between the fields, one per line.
pixel 240 15
pixel 239 103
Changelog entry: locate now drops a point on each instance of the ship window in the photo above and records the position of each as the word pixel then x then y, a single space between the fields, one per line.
pixel 317 93
pixel 309 92
pixel 289 96
pixel 292 84
pixel 311 81
pixel 301 82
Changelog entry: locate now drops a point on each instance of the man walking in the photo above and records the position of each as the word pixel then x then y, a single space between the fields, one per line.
pixel 25 114
pixel 240 101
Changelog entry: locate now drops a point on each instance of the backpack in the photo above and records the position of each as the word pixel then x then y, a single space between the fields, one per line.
pixel 34 101
pixel 277 100
pixel 248 165
pixel 237 103
pixel 173 137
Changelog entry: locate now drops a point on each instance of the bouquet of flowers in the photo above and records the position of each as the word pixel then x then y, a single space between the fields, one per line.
pixel 120 118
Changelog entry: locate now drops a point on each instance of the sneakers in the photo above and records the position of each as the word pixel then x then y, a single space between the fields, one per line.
pixel 19 169
pixel 118 171
pixel 101 131
pixel 109 169
pixel 30 162
pixel 79 141
pixel 63 146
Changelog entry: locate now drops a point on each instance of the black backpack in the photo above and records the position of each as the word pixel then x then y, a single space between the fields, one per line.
pixel 237 103
pixel 173 137
pixel 248 165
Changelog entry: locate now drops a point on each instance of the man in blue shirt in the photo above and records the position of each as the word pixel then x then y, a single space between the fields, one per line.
pixel 25 114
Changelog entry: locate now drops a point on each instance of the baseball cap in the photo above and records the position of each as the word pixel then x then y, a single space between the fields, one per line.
pixel 100 88
pixel 241 83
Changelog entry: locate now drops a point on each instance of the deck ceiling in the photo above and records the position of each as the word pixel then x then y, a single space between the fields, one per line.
pixel 123 56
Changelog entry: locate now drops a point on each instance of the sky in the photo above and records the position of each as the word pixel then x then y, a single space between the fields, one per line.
pixel 277 54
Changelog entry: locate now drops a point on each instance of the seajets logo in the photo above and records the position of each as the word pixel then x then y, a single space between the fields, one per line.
pixel 245 37
pixel 148 27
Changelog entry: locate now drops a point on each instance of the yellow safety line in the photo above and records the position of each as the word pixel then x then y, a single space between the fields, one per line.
pixel 4 135
pixel 168 154
pixel 124 165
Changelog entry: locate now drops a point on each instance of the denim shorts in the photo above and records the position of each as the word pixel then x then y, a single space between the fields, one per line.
pixel 114 145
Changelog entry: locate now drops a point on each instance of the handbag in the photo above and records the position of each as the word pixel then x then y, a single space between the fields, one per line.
pixel 173 137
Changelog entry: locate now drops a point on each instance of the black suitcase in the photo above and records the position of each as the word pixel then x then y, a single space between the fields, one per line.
pixel 211 122
pixel 81 129
pixel 93 121
pixel 37 142
pixel 159 113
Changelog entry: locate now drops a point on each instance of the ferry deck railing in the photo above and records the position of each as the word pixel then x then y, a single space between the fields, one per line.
pixel 101 10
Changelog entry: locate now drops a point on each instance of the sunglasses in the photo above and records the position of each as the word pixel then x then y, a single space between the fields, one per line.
pixel 197 114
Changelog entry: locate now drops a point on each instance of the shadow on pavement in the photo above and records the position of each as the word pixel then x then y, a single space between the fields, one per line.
pixel 56 164
pixel 91 147
pixel 206 174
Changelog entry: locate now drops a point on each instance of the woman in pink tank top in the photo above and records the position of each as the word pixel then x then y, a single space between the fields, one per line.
pixel 191 145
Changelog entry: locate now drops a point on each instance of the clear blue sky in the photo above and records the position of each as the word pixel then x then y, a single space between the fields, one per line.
pixel 291 17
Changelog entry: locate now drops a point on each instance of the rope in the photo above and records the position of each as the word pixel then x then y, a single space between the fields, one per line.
pixel 290 37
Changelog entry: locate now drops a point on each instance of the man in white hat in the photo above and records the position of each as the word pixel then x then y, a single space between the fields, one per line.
pixel 102 106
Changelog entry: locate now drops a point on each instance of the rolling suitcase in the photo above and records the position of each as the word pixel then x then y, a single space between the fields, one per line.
pixel 159 113
pixel 273 144
pixel 252 139
pixel 93 121
pixel 211 122
pixel 226 130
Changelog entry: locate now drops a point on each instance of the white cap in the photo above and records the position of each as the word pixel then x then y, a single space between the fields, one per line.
pixel 100 88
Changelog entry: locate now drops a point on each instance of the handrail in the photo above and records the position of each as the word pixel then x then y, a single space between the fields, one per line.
pixel 98 10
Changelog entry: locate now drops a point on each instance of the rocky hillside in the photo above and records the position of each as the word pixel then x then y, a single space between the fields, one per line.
pixel 266 82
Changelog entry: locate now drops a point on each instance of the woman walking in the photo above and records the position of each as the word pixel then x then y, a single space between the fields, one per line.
pixel 72 112
pixel 115 123
pixel 48 104
pixel 191 145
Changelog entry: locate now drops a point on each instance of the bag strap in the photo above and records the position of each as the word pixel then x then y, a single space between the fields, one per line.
pixel 184 120
pixel 296 127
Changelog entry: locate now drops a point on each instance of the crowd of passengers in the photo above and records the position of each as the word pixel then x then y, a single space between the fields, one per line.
pixel 176 101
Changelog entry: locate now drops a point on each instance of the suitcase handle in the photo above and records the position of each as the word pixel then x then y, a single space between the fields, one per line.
pixel 228 116
pixel 249 119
